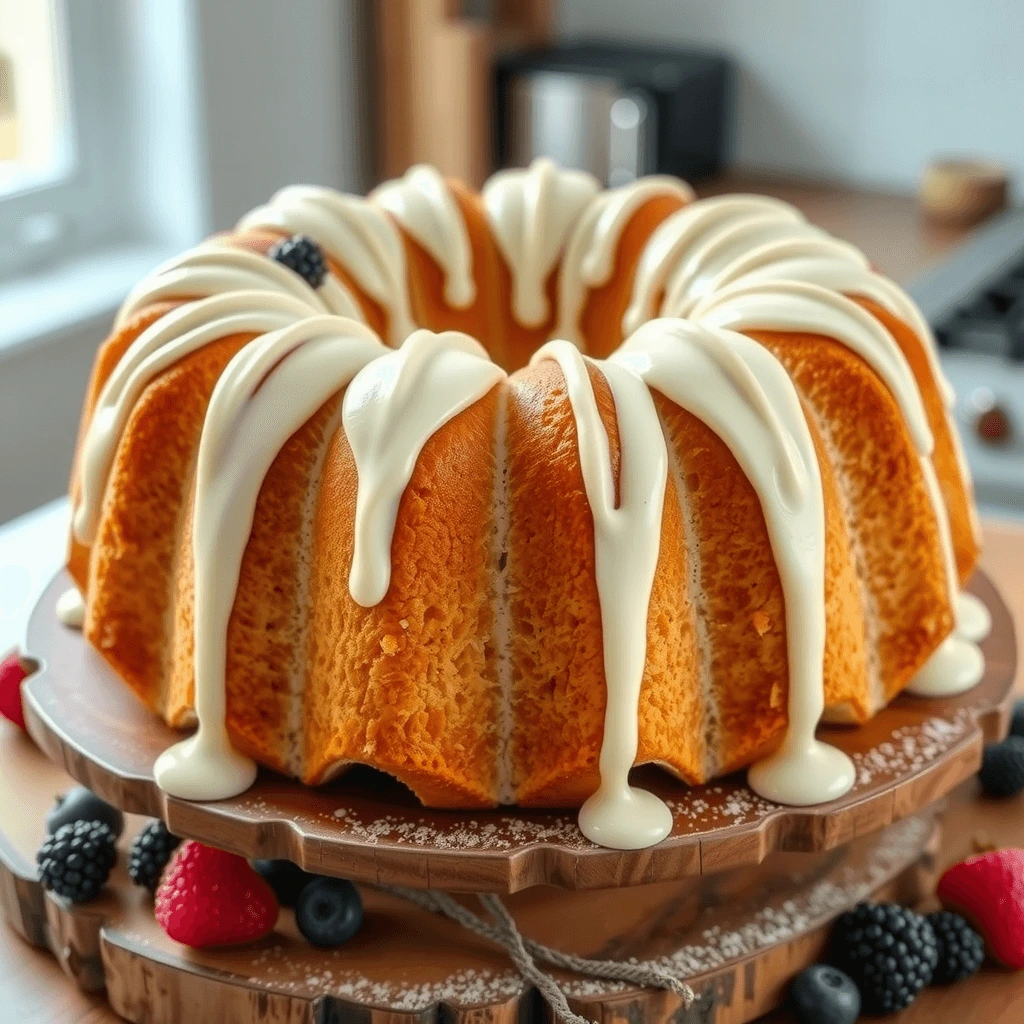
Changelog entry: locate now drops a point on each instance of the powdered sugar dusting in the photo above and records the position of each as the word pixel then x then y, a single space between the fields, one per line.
pixel 284 967
pixel 911 749
pixel 727 803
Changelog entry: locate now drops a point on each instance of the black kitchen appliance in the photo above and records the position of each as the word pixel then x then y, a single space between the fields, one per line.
pixel 618 111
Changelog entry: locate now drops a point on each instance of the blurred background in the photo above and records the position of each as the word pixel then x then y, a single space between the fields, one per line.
pixel 131 129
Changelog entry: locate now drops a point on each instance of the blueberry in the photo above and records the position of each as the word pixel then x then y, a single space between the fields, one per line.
pixel 81 804
pixel 285 878
pixel 329 911
pixel 824 995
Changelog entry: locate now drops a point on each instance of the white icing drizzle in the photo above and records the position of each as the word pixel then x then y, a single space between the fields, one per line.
pixel 531 213
pixel 214 268
pixel 589 259
pixel 973 619
pixel 266 393
pixel 391 409
pixel 676 237
pixel 627 539
pixel 808 308
pixel 355 233
pixel 422 203
pixel 71 608
pixel 798 306
pixel 181 331
pixel 742 392
pixel 697 274
pixel 839 266
pixel 955 666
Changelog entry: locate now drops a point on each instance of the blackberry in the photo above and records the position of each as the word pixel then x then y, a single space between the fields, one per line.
pixel 285 878
pixel 1017 719
pixel 151 850
pixel 1002 768
pixel 81 804
pixel 75 862
pixel 961 948
pixel 301 254
pixel 889 952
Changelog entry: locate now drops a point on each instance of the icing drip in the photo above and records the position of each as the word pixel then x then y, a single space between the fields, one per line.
pixel 795 306
pixel 214 268
pixel 266 393
pixel 973 620
pixel 423 204
pixel 181 331
pixel 798 306
pixel 697 275
pixel 531 214
pixel 954 667
pixel 676 236
pixel 353 232
pixel 589 260
pixel 391 409
pixel 71 608
pixel 627 538
pixel 741 391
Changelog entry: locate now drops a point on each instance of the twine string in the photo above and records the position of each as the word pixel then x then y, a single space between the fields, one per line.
pixel 525 953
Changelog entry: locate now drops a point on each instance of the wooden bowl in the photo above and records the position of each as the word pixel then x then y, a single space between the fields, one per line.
pixel 963 192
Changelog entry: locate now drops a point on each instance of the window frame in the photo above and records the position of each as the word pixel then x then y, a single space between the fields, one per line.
pixel 76 207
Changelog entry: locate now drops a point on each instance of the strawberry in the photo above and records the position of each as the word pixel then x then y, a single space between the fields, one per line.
pixel 989 889
pixel 12 673
pixel 212 898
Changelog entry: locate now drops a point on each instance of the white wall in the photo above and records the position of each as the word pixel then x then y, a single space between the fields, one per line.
pixel 857 90
pixel 277 86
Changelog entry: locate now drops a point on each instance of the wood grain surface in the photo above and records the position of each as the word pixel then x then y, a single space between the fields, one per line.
pixel 408 966
pixel 366 827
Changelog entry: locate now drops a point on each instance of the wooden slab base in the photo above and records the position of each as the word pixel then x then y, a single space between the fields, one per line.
pixel 367 827
pixel 741 935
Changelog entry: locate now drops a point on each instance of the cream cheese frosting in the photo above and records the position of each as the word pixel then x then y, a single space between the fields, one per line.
pixel 354 232
pixel 531 213
pixel 423 204
pixel 731 265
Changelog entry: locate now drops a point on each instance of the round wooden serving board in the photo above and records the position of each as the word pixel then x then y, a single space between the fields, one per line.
pixel 366 827
pixel 740 935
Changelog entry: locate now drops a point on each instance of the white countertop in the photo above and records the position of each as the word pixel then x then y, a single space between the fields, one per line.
pixel 32 548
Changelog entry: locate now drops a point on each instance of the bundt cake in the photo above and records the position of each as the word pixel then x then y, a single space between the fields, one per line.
pixel 338 498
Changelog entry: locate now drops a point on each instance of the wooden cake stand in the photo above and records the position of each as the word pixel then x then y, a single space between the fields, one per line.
pixel 370 829
pixel 739 936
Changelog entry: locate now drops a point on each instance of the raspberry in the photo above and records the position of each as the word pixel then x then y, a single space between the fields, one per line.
pixel 301 254
pixel 76 861
pixel 12 672
pixel 151 851
pixel 989 891
pixel 212 898
pixel 890 953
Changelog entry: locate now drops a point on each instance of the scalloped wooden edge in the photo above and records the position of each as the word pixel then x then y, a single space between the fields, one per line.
pixel 284 826
pixel 114 945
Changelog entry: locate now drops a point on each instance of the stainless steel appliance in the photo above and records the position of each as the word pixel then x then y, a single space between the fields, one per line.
pixel 617 111
pixel 975 304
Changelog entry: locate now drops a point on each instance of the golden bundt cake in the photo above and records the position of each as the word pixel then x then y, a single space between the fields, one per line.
pixel 339 499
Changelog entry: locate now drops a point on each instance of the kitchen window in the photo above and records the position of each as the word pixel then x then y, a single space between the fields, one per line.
pixel 58 113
